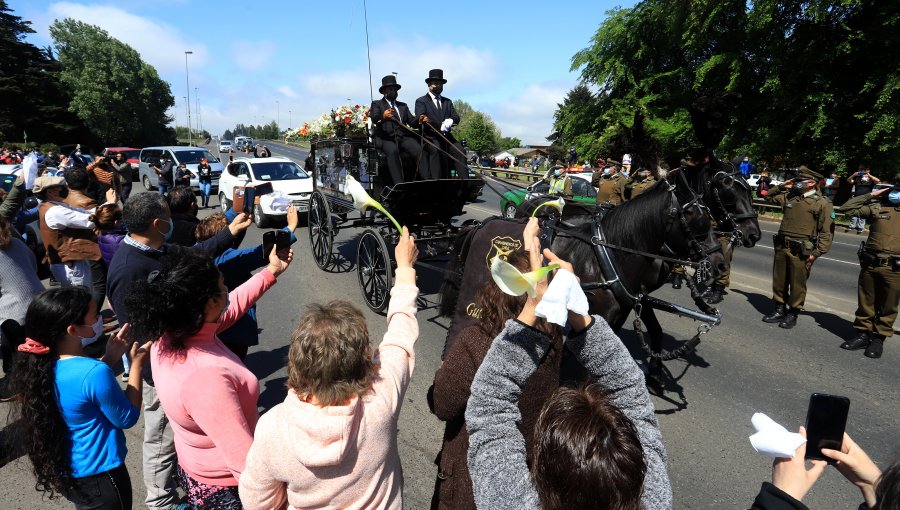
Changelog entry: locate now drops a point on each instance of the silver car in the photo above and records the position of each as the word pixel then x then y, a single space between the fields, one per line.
pixel 190 156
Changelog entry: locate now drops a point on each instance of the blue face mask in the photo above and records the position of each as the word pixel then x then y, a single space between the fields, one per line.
pixel 168 234
pixel 894 197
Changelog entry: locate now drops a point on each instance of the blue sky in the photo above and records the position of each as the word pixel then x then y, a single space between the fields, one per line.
pixel 254 62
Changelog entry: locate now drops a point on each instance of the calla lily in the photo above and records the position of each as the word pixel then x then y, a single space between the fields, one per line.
pixel 513 282
pixel 559 203
pixel 362 200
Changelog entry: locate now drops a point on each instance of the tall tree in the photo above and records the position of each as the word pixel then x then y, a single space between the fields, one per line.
pixel 480 133
pixel 34 101
pixel 118 96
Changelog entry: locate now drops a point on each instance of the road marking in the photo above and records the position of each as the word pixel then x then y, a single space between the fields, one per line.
pixel 820 258
pixel 833 242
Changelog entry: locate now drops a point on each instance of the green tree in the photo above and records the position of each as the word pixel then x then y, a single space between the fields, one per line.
pixel 480 133
pixel 34 101
pixel 227 135
pixel 118 96
pixel 508 142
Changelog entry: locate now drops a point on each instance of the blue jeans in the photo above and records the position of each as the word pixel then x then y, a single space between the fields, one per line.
pixel 205 188
pixel 163 188
pixel 858 223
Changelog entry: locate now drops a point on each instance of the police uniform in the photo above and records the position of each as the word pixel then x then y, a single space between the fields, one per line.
pixel 611 189
pixel 806 229
pixel 561 185
pixel 638 187
pixel 879 277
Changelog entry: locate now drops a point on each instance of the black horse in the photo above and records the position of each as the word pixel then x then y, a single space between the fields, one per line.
pixel 636 239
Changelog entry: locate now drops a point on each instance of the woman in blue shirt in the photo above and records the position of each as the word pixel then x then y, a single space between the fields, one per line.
pixel 72 409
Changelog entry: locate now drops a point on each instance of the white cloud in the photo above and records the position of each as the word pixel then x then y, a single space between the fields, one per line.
pixel 529 114
pixel 252 55
pixel 287 91
pixel 464 68
pixel 160 44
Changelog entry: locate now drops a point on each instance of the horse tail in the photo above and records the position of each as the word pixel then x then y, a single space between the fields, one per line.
pixel 449 293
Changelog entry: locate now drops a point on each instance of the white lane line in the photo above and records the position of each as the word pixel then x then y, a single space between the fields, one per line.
pixel 820 258
pixel 833 242
pixel 810 299
pixel 810 294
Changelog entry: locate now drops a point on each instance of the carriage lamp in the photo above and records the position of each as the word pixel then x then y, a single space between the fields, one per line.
pixel 362 200
pixel 515 283
pixel 346 150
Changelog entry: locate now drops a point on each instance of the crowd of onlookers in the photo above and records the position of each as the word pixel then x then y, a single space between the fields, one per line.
pixel 174 298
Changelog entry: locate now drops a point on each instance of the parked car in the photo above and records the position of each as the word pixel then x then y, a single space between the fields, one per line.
pixel 582 191
pixel 190 156
pixel 224 145
pixel 286 177
pixel 132 155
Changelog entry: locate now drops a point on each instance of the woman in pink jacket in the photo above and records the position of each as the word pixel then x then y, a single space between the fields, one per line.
pixel 332 443
pixel 206 392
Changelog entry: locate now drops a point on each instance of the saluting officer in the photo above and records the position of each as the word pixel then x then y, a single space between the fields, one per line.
pixel 879 276
pixel 611 187
pixel 641 182
pixel 805 234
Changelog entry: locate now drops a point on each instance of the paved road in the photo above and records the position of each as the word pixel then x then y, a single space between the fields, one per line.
pixel 741 367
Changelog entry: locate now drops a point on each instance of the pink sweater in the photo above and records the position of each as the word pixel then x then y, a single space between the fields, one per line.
pixel 339 456
pixel 210 396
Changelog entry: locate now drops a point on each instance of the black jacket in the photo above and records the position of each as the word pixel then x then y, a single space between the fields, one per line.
pixel 388 129
pixel 773 498
pixel 425 106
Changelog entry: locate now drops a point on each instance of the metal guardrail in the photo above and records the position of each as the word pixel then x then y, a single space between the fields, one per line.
pixel 761 206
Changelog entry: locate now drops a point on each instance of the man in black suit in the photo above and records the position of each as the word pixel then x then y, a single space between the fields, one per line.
pixel 438 112
pixel 390 136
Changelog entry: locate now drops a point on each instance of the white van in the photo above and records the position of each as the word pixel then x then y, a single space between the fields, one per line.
pixel 190 156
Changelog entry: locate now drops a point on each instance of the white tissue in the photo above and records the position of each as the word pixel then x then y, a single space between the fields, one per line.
pixel 773 440
pixel 563 294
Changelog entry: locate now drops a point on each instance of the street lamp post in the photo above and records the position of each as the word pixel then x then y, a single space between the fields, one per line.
pixel 290 119
pixel 278 116
pixel 187 79
pixel 188 107
pixel 199 117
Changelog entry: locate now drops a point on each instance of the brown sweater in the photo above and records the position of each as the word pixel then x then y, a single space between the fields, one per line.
pixel 449 395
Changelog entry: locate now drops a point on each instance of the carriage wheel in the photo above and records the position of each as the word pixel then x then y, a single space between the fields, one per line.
pixel 321 231
pixel 373 265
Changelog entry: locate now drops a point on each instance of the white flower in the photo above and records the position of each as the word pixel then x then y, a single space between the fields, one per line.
pixel 513 282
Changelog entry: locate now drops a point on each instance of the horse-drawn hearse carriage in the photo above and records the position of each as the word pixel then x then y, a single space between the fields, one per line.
pixel 429 208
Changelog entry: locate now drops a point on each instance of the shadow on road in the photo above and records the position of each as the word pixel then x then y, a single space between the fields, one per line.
pixel 763 304
pixel 273 394
pixel 833 324
pixel 265 363
pixel 11 445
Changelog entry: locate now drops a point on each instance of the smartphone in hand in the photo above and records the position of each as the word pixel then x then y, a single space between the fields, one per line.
pixel 826 420
pixel 279 239
pixel 249 199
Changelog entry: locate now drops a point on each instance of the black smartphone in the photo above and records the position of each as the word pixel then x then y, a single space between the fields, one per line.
pixel 249 199
pixel 280 239
pixel 825 423
pixel 263 188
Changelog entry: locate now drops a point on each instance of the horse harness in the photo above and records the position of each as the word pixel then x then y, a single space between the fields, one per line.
pixel 724 212
pixel 610 274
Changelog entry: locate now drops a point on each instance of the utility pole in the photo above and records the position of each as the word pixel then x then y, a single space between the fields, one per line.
pixel 278 116
pixel 187 79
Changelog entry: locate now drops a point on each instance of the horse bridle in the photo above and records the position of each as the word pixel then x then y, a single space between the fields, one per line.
pixel 729 217
pixel 697 256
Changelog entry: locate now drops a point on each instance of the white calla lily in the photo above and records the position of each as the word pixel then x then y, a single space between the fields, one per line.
pixel 559 203
pixel 362 200
pixel 515 283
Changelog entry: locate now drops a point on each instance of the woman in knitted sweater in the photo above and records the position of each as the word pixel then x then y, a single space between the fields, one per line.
pixel 450 392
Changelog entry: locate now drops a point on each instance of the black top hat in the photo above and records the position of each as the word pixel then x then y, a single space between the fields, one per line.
pixel 436 75
pixel 388 81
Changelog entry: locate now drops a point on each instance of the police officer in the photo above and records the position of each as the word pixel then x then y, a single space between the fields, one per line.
pixel 805 234
pixel 611 186
pixel 641 182
pixel 879 276
pixel 560 183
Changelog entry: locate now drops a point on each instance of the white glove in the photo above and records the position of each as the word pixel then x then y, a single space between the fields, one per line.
pixel 445 127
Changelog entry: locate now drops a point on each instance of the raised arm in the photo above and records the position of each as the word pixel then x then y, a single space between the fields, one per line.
pixel 610 364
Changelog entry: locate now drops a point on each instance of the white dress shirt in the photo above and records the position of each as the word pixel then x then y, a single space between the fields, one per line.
pixel 64 216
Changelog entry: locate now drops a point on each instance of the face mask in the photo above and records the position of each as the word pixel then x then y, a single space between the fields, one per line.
pixel 894 197
pixel 227 304
pixel 606 171
pixel 168 234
